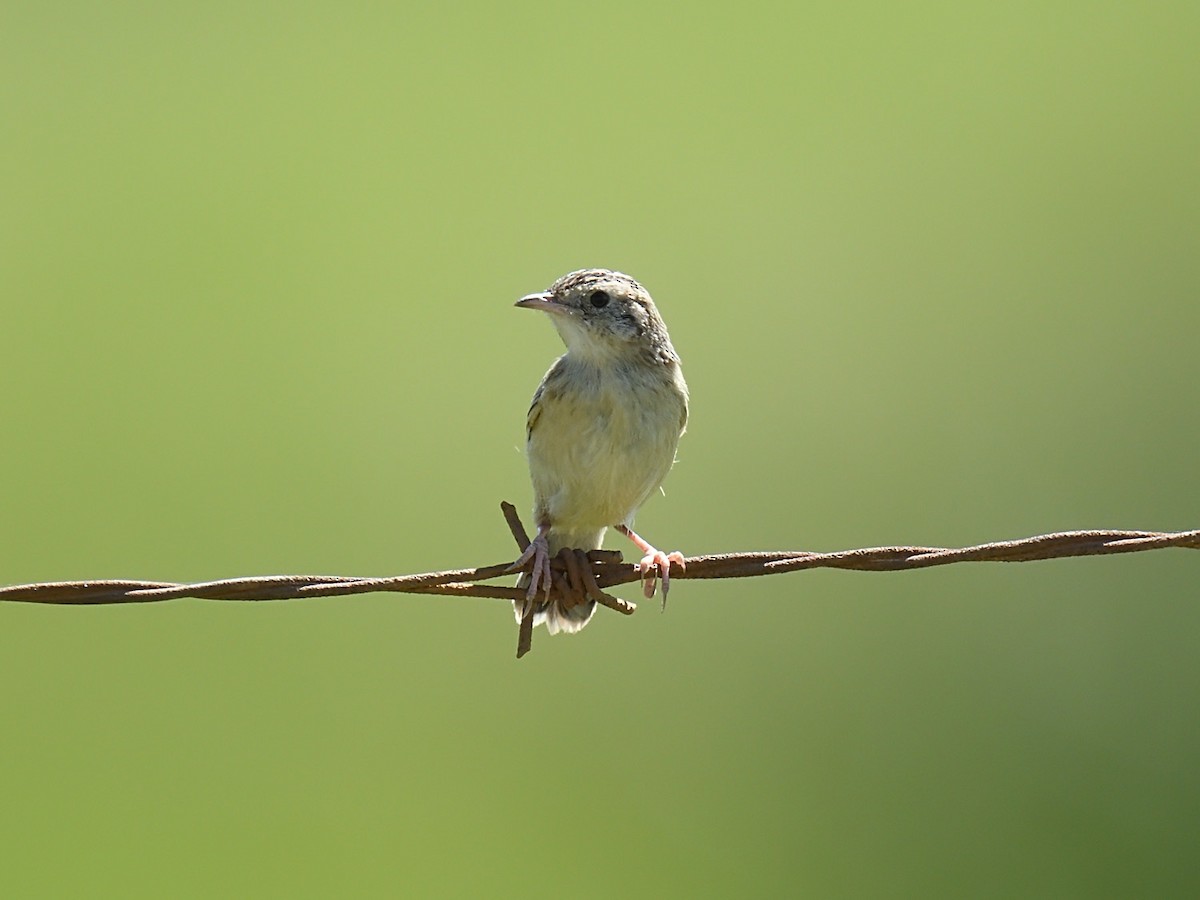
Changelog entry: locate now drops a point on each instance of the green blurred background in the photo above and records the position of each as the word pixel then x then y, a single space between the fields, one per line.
pixel 933 269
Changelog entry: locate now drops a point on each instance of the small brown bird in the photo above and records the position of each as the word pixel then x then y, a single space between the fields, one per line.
pixel 602 431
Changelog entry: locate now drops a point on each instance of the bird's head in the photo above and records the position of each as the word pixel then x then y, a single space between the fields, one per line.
pixel 604 315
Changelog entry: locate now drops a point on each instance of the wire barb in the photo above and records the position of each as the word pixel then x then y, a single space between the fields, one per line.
pixel 574 581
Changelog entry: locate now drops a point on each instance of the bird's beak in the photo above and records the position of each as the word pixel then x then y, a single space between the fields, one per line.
pixel 545 302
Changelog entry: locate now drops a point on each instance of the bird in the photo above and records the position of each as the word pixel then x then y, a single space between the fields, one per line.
pixel 601 433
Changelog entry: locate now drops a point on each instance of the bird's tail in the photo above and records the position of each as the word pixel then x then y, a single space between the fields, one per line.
pixel 552 613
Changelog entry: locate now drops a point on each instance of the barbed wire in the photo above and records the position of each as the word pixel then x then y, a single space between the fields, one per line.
pixel 578 576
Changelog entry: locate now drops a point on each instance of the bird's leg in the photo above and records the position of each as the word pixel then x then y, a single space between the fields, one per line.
pixel 654 559
pixel 539 573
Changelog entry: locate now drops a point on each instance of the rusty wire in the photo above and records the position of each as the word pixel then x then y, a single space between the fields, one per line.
pixel 571 579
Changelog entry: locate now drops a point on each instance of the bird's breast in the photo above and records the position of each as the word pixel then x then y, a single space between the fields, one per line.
pixel 602 442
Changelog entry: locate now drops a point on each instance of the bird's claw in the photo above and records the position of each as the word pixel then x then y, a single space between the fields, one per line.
pixel 656 563
pixel 539 573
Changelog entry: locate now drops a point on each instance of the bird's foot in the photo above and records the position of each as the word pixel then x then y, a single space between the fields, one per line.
pixel 655 562
pixel 539 573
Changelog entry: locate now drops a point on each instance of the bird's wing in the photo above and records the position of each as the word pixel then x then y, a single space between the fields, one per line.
pixel 551 381
pixel 535 410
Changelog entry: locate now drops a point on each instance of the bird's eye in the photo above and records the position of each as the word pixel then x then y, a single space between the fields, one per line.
pixel 599 299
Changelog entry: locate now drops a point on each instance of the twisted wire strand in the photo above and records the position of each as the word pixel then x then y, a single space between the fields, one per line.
pixel 608 570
